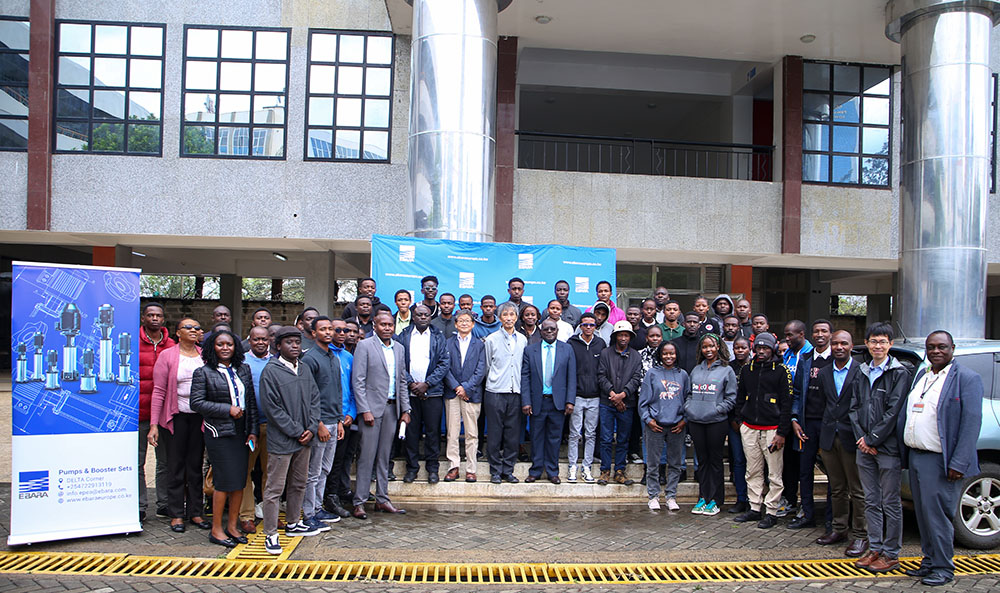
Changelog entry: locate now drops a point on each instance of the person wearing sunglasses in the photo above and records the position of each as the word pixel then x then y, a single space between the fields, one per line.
pixel 170 409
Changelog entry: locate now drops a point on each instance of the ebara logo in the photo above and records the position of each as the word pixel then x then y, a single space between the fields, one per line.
pixel 583 284
pixel 33 484
pixel 466 280
pixel 525 261
pixel 407 253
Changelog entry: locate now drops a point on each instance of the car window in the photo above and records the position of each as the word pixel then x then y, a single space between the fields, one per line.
pixel 983 364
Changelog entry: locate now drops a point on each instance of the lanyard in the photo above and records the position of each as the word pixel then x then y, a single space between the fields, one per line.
pixel 927 387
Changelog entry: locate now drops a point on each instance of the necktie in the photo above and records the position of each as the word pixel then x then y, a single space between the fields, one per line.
pixel 549 366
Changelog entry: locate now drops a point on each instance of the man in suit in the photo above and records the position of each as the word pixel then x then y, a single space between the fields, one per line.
pixel 426 366
pixel 379 382
pixel 838 449
pixel 939 424
pixel 548 392
pixel 463 394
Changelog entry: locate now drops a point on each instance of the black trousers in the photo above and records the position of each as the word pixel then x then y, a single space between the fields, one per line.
pixel 184 459
pixel 709 444
pixel 790 471
pixel 338 481
pixel 425 419
pixel 503 412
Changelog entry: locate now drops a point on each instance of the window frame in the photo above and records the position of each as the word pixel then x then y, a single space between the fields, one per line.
pixel 91 87
pixel 250 125
pixel 830 153
pixel 24 118
pixel 335 95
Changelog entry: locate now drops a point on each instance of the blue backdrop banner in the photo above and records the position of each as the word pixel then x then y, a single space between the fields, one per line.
pixel 484 268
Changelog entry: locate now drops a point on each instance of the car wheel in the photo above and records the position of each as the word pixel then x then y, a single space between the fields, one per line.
pixel 977 521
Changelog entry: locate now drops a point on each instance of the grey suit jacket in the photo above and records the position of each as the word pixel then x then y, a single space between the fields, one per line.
pixel 370 378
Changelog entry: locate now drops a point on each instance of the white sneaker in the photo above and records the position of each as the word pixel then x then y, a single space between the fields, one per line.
pixel 587 476
pixel 654 504
pixel 272 545
pixel 258 510
pixel 572 474
pixel 672 505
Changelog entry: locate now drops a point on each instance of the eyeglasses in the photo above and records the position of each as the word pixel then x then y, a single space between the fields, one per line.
pixel 588 324
pixel 196 328
pixel 340 330
pixel 878 342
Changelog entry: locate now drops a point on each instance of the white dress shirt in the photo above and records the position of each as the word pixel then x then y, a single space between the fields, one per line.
pixel 463 346
pixel 420 353
pixel 921 429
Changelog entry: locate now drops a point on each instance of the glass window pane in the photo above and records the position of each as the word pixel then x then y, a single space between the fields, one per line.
pixel 200 75
pixel 199 107
pixel 679 278
pixel 75 71
pixel 237 44
pixel 816 107
pixel 272 45
pixel 845 169
pixel 13 100
pixel 73 103
pixel 108 138
pixel 143 105
pixel 110 39
pixel 13 68
pixel 147 41
pixel 269 77
pixel 379 50
pixel 349 82
pixel 14 133
pixel 376 145
pixel 846 79
pixel 875 141
pixel 72 135
pixel 876 111
pixel 202 43
pixel 199 140
pixel 109 71
pixel 234 76
pixel 846 109
pixel 74 38
pixel 352 49
pixel 143 138
pixel 378 81
pixel 109 104
pixel 268 109
pixel 320 144
pixel 876 81
pixel 324 47
pixel 269 142
pixel 845 139
pixel 348 144
pixel 234 108
pixel 816 76
pixel 348 112
pixel 145 73
pixel 874 171
pixel 815 167
pixel 815 137
pixel 322 78
pixel 320 111
pixel 234 141
pixel 377 113
pixel 14 34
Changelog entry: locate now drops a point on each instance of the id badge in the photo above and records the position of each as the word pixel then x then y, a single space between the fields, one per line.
pixel 918 407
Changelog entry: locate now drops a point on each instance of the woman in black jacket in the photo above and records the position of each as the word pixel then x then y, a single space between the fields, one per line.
pixel 222 392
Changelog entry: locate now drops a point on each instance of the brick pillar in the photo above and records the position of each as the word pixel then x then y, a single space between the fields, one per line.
pixel 791 154
pixel 503 207
pixel 40 91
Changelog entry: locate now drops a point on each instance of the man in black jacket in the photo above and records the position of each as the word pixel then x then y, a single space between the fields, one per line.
pixel 877 394
pixel 587 349
pixel 619 375
pixel 687 343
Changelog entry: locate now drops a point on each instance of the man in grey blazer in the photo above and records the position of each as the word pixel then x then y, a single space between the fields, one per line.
pixel 379 382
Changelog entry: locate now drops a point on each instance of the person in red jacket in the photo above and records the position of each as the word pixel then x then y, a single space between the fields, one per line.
pixel 153 339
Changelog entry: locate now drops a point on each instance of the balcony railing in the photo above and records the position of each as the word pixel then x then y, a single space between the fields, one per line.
pixel 644 156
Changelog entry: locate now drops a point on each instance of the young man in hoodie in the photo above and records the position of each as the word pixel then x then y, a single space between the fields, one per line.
pixel 723 306
pixel 488 322
pixel 687 342
pixel 153 339
pixel 764 409
pixel 619 375
pixel 744 314
pixel 604 295
pixel 878 393
pixel 661 408
pixel 587 348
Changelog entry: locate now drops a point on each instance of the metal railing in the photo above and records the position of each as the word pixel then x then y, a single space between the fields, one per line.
pixel 644 156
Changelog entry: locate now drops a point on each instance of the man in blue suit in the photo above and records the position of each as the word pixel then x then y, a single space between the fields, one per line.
pixel 939 425
pixel 548 392
pixel 463 394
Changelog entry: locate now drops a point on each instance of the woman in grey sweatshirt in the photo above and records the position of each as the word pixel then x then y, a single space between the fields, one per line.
pixel 713 395
pixel 661 407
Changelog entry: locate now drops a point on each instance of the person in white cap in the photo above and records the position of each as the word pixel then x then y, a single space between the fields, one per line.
pixel 619 375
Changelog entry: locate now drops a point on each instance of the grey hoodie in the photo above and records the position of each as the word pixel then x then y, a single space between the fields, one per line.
pixel 662 395
pixel 713 393
pixel 732 307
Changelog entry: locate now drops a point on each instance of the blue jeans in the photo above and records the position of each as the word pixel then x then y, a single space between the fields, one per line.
pixel 615 428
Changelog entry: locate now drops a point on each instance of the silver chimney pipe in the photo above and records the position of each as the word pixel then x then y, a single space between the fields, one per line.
pixel 452 142
pixel 945 163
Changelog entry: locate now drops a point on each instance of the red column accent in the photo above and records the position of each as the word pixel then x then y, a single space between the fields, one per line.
pixel 791 154
pixel 40 91
pixel 503 205
pixel 741 280
pixel 104 256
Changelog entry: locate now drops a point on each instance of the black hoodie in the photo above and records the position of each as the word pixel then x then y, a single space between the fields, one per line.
pixel 764 395
pixel 587 359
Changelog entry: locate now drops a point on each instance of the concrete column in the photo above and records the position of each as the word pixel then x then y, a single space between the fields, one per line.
pixel 231 295
pixel 321 281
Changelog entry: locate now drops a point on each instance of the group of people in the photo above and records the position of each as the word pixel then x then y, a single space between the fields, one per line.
pixel 311 399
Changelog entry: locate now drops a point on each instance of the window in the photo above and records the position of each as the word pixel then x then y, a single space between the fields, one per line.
pixel 846 135
pixel 13 83
pixel 349 99
pixel 235 88
pixel 109 87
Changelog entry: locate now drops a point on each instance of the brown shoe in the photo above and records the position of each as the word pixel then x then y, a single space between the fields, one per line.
pixel 867 559
pixel 359 512
pixel 605 478
pixel 248 526
pixel 470 477
pixel 621 479
pixel 857 548
pixel 452 475
pixel 831 538
pixel 883 564
pixel 386 507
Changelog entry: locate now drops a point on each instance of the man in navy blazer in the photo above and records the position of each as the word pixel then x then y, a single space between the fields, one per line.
pixel 939 427
pixel 548 392
pixel 463 395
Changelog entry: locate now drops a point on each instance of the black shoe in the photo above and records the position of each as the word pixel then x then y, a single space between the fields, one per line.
pixel 767 522
pixel 228 542
pixel 509 478
pixel 432 478
pixel 801 523
pixel 177 528
pixel 240 539
pixel 162 512
pixel 495 479
pixel 202 525
pixel 741 506
pixel 918 572
pixel 409 477
pixel 936 579
pixel 747 517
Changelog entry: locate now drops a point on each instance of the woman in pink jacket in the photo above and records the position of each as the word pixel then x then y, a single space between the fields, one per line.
pixel 171 410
